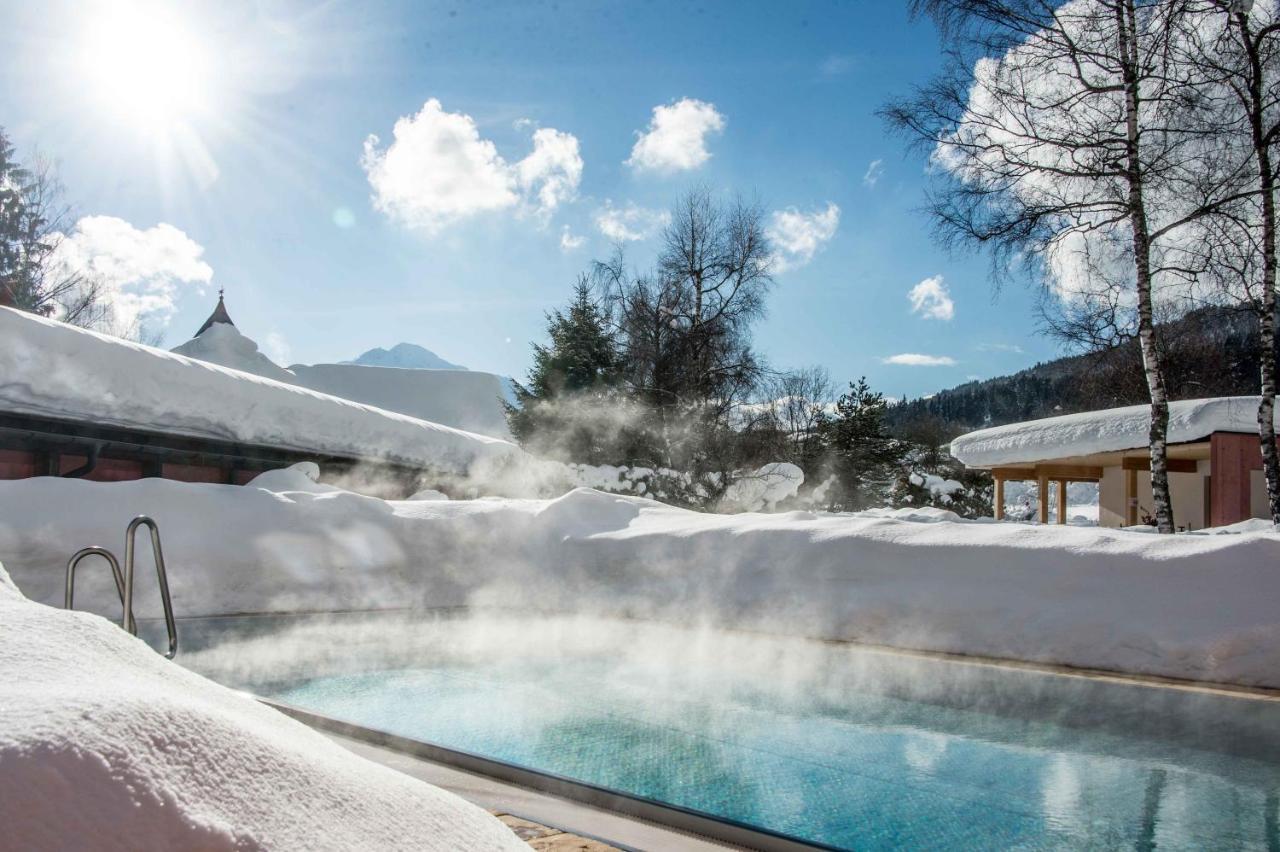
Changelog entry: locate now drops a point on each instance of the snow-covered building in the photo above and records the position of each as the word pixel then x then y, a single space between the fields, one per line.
pixel 464 399
pixel 452 395
pixel 219 342
pixel 78 403
pixel 1215 465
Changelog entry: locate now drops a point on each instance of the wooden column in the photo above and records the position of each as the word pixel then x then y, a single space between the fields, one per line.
pixel 999 501
pixel 1062 501
pixel 1130 497
pixel 1042 489
pixel 1232 457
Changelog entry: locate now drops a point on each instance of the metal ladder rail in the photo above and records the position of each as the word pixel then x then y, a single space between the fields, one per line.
pixel 124 584
pixel 80 556
pixel 130 536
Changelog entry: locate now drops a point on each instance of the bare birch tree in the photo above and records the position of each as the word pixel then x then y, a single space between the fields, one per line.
pixel 1055 129
pixel 1232 51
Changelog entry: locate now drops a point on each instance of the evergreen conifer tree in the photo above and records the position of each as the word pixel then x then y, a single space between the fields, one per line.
pixel 569 407
pixel 865 457
pixel 13 179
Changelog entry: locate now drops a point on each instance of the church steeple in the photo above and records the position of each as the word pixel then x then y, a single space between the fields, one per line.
pixel 219 315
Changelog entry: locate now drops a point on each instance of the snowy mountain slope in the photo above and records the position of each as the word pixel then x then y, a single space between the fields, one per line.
pixel 1212 352
pixel 1199 606
pixel 56 370
pixel 108 746
pixel 407 355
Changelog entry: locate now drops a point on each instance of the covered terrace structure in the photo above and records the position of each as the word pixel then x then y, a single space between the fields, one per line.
pixel 1215 463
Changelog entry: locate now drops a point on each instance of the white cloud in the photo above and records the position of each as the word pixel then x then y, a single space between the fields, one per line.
pixel 551 174
pixel 140 270
pixel 992 149
pixel 915 359
pixel 873 173
pixel 570 241
pixel 630 223
pixel 1000 347
pixel 438 170
pixel 932 300
pixel 797 236
pixel 676 139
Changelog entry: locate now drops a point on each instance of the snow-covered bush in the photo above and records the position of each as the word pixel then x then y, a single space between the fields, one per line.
pixel 763 489
pixel 946 484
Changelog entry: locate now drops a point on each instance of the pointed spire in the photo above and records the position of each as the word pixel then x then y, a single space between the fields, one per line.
pixel 219 315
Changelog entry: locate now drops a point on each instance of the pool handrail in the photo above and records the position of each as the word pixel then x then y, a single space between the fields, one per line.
pixel 74 562
pixel 124 580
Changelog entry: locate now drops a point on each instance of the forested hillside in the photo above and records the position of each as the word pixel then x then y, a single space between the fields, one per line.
pixel 1210 352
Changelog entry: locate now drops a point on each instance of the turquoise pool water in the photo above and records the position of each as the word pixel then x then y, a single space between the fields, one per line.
pixel 849 748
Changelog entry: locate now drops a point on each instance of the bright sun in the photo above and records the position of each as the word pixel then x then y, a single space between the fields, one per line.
pixel 145 66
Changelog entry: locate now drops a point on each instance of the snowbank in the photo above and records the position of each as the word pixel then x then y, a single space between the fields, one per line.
pixel 1103 431
pixel 56 370
pixel 106 745
pixel 1185 606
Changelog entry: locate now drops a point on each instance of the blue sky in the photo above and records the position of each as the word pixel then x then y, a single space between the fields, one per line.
pixel 255 157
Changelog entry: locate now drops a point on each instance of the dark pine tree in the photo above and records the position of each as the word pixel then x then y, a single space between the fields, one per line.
pixel 12 208
pixel 866 459
pixel 569 407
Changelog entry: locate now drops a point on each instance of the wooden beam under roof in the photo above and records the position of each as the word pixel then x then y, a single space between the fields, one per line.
pixel 1013 473
pixel 1056 472
pixel 1174 465
pixel 1070 472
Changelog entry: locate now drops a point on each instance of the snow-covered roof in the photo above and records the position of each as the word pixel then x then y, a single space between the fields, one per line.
pixel 219 316
pixel 1106 431
pixel 465 399
pixel 223 344
pixel 56 370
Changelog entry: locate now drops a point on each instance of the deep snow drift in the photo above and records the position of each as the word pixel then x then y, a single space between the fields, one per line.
pixel 1185 606
pixel 56 370
pixel 1104 431
pixel 106 745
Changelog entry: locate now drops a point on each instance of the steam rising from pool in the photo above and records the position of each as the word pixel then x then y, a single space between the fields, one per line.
pixel 830 741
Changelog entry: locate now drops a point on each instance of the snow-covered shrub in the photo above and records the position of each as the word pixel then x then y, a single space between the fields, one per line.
pixel 946 484
pixel 763 489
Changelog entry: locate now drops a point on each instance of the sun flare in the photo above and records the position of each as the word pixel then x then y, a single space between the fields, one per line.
pixel 146 66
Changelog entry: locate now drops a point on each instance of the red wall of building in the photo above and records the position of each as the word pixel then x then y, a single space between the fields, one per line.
pixel 20 464
pixel 16 464
pixel 193 472
pixel 106 470
pixel 1232 456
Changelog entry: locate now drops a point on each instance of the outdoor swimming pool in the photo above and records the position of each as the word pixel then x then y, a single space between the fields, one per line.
pixel 830 743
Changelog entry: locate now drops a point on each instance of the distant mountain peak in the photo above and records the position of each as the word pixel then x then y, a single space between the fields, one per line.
pixel 405 355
